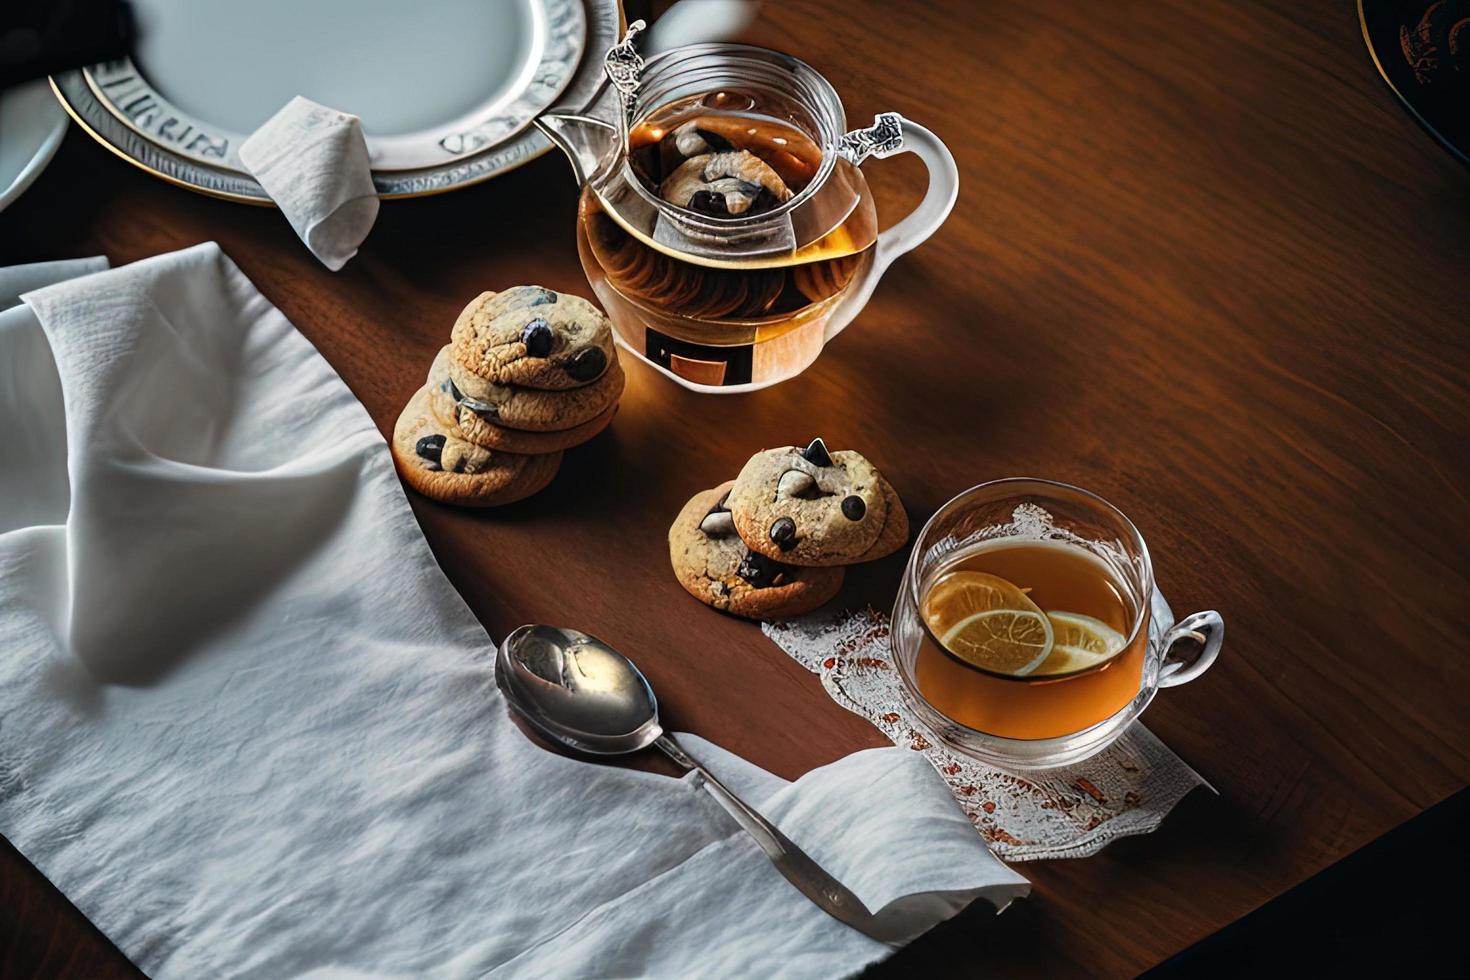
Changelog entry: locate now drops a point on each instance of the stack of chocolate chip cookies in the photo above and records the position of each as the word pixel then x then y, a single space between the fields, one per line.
pixel 527 374
pixel 773 542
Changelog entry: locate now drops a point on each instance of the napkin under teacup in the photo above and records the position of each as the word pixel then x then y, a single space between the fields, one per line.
pixel 249 728
pixel 1069 812
pixel 313 162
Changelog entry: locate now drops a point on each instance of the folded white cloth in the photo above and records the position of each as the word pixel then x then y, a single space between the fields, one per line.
pixel 250 729
pixel 18 279
pixel 313 162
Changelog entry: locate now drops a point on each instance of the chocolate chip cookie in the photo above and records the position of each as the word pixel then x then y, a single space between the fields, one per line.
pixel 815 507
pixel 483 406
pixel 895 531
pixel 443 403
pixel 533 337
pixel 436 462
pixel 713 564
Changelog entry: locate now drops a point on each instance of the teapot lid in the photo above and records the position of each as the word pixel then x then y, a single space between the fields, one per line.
pixel 734 156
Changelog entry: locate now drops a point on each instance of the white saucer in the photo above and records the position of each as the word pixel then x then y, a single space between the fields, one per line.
pixel 32 125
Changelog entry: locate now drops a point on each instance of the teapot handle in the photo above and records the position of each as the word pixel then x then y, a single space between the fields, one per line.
pixel 881 140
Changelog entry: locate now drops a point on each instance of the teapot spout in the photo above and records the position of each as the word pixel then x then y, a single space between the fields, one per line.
pixel 588 143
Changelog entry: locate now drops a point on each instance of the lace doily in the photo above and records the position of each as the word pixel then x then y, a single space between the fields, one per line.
pixel 1070 812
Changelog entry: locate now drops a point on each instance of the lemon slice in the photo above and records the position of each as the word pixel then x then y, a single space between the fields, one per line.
pixel 962 594
pixel 1008 641
pixel 1079 642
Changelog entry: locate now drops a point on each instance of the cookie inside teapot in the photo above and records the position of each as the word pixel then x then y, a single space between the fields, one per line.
pixel 714 155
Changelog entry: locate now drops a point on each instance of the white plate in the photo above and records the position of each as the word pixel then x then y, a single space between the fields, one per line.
pixel 159 157
pixel 432 82
pixel 31 128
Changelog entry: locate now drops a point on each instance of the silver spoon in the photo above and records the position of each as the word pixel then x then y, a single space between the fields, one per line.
pixel 577 690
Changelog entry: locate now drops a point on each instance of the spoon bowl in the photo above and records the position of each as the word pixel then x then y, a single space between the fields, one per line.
pixel 577 690
pixel 580 692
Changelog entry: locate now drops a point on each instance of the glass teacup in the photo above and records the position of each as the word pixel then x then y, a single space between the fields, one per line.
pixel 1027 630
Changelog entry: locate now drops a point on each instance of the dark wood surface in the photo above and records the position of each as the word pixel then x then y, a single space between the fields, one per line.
pixel 1202 263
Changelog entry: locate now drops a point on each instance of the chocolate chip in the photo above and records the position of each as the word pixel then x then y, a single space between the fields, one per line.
pixel 718 524
pixel 710 203
pixel 764 201
pixel 587 364
pixel 537 338
pixel 540 296
pixel 817 454
pixel 760 571
pixel 429 447
pixel 853 508
pixel 484 410
pixel 795 483
pixel 783 533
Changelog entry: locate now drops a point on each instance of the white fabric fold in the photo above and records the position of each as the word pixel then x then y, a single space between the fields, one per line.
pixel 17 279
pixel 249 728
pixel 313 162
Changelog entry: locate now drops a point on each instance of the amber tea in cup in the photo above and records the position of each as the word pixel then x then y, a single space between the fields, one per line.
pixel 1048 612
pixel 1027 631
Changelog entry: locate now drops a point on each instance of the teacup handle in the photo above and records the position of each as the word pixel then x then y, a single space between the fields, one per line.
pixel 1205 628
pixel 889 135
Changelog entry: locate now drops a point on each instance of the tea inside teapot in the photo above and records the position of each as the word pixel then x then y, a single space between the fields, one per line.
pixel 729 154
pixel 715 156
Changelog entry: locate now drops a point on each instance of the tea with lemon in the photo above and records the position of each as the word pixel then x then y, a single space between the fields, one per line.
pixel 1029 639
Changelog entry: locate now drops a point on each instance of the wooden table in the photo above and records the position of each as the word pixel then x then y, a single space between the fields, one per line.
pixel 1201 263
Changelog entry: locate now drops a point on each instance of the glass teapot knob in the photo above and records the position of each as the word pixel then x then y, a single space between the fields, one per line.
pixel 624 68
pixel 882 139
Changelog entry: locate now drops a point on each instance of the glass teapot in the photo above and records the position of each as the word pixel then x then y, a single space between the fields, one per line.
pixel 724 222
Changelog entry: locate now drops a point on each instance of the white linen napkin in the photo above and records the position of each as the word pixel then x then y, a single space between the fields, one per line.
pixel 313 162
pixel 18 279
pixel 249 728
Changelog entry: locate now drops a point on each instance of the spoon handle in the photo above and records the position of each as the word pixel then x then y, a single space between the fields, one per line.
pixel 827 892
